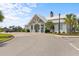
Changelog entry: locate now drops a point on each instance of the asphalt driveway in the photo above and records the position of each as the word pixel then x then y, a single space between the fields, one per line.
pixel 39 44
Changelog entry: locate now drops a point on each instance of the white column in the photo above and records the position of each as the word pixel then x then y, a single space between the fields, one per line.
pixel 30 28
pixel 33 28
pixel 40 27
pixel 44 27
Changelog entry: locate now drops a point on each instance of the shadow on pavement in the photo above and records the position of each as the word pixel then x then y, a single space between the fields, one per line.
pixel 3 44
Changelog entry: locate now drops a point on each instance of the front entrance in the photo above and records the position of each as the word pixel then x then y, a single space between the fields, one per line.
pixel 36 27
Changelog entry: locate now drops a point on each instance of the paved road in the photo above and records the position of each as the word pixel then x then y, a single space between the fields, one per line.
pixel 40 44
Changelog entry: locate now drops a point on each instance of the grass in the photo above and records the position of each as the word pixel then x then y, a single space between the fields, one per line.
pixel 5 37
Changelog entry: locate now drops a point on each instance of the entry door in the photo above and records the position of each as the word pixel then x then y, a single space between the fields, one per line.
pixel 36 27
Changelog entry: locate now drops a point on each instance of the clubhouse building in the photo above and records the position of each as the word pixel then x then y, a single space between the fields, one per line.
pixel 37 23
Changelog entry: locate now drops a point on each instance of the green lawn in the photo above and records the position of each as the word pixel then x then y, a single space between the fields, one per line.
pixel 5 37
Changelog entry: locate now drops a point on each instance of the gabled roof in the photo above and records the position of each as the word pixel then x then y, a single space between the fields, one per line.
pixel 41 17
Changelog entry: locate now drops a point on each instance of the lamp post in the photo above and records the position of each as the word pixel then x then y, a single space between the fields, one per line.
pixel 59 24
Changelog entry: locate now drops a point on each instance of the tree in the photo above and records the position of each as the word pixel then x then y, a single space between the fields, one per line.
pixel 1 16
pixel 50 26
pixel 70 20
pixel 19 29
pixel 15 28
pixel 77 27
pixel 1 19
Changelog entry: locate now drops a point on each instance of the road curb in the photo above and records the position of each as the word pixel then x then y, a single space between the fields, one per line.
pixel 67 36
pixel 62 36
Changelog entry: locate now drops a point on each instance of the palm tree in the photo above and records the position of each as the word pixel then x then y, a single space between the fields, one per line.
pixel 70 20
pixel 1 16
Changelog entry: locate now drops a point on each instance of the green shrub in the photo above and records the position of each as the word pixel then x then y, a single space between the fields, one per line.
pixel 75 33
pixel 63 32
pixel 24 30
pixel 47 31
pixel 28 30
pixel 55 32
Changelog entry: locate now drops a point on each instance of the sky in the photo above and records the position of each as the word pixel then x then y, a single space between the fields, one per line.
pixel 19 14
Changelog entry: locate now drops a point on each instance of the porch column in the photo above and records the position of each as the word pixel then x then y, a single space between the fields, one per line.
pixel 33 28
pixel 39 27
pixel 44 27
pixel 30 29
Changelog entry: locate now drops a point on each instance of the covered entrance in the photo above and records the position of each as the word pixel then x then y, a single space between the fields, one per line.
pixel 37 24
pixel 36 27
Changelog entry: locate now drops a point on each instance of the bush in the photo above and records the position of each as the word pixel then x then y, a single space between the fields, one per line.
pixel 75 33
pixel 28 30
pixel 63 32
pixel 47 31
pixel 24 30
pixel 55 32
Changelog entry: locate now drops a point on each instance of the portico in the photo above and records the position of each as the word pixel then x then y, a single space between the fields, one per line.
pixel 37 24
pixel 37 28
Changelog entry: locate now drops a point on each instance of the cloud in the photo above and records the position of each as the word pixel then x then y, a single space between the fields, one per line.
pixel 32 4
pixel 9 17
pixel 17 11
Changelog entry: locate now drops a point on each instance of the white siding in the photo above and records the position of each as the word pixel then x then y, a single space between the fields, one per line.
pixel 63 27
pixel 56 27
